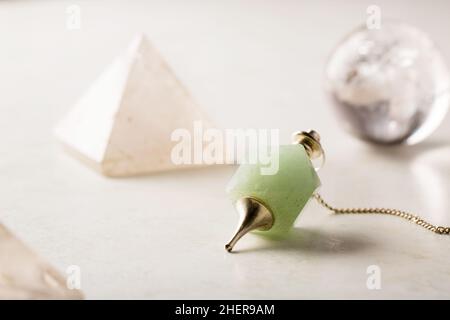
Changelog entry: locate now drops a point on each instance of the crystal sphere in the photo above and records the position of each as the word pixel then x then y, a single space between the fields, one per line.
pixel 388 85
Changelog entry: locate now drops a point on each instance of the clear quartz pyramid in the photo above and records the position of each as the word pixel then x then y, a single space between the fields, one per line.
pixel 122 126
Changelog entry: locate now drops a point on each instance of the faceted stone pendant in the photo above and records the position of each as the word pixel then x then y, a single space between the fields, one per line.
pixel 271 203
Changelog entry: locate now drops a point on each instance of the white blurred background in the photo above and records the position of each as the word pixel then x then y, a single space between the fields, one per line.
pixel 255 64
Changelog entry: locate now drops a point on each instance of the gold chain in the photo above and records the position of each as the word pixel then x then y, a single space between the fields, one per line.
pixel 394 212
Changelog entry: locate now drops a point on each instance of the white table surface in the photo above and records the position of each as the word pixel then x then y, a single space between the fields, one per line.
pixel 249 64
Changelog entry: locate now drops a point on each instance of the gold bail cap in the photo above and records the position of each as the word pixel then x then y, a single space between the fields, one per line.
pixel 311 141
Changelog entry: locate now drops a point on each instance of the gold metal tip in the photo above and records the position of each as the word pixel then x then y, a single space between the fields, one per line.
pixel 253 215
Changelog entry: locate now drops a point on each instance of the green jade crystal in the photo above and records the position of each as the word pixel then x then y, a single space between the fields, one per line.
pixel 270 204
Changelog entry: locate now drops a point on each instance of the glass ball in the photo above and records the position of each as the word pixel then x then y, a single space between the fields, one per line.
pixel 388 85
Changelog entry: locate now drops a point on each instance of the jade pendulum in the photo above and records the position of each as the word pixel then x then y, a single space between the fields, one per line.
pixel 270 204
